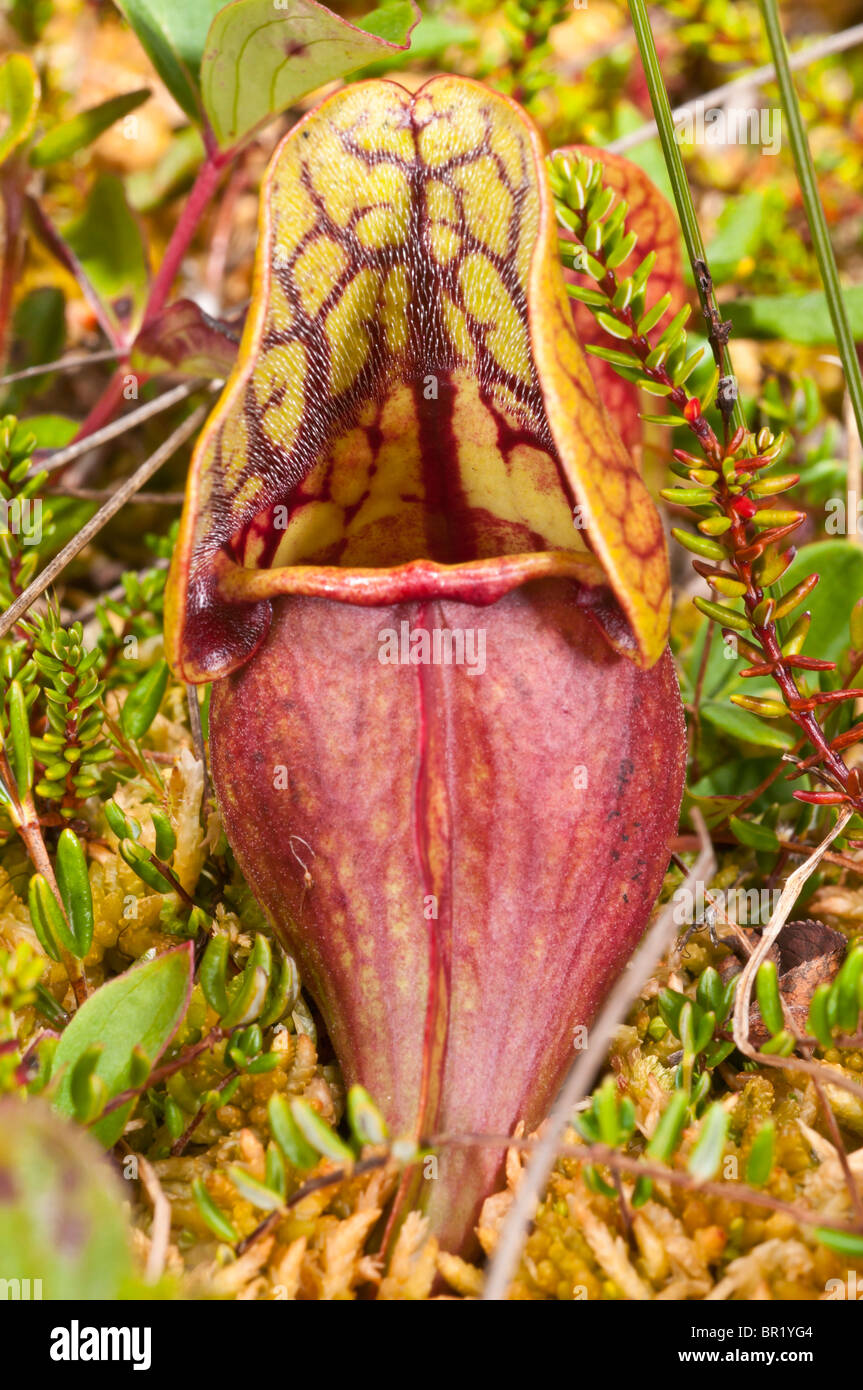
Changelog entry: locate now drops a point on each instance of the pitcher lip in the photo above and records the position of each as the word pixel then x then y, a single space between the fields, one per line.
pixel 477 582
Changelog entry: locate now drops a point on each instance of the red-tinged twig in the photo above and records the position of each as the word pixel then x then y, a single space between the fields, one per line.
pixel 183 1059
pixel 178 1148
pixel 638 1167
pixel 331 1179
pixel 741 530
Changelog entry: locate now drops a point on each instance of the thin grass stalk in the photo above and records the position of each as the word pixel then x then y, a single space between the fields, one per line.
pixel 814 208
pixel 680 188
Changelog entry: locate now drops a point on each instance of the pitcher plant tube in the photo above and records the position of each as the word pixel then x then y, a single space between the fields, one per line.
pixel 432 593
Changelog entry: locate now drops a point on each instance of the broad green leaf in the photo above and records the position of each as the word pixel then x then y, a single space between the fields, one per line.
pixel 748 728
pixel 62 1219
pixel 432 36
pixel 840 566
pixel 107 241
pixel 79 131
pixel 261 58
pixel 173 33
pixel 52 431
pixel 143 1008
pixel 40 332
pixel 755 836
pixel 19 101
pixel 799 318
pixel 739 233
pixel 732 779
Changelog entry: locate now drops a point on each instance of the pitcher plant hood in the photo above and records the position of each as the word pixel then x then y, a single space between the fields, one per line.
pixel 411 410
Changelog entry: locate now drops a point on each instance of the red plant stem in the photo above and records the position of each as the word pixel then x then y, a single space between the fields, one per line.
pixel 202 191
pixel 178 1148
pixel 30 831
pixel 106 405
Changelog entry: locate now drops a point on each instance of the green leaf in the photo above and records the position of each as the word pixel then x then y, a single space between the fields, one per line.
pixel 605 1106
pixel 166 838
pixel 139 862
pixel 173 33
pixel 19 101
pixel 288 1135
pixel 20 747
pixel 748 728
pixel 433 34
pixel 641 1192
pixel 52 431
pixel 847 986
pixel 368 1125
pixel 840 565
pixel 709 992
pixel 68 137
pixel 213 1215
pixel 319 1134
pixel 142 1008
pixel 819 1022
pixel 671 1003
pixel 841 1242
pixel 669 1127
pixel 254 1191
pixel 73 881
pixel 66 1224
pixel 759 1164
pixel 260 60
pixel 123 828
pixel 142 703
pixel 248 1001
pixel 748 832
pixel 44 914
pixel 799 318
pixel 276 1174
pixel 282 995
pixel 107 241
pixel 769 998
pixel 86 1089
pixel 707 1153
pixel 213 973
pixel 739 234
pixel 40 332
